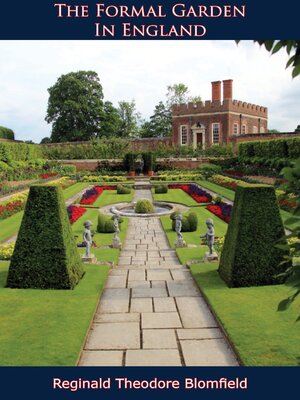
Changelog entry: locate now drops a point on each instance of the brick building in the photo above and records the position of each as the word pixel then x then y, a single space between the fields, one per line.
pixel 216 121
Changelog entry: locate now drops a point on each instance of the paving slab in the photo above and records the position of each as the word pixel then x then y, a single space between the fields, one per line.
pixel 101 358
pixel 183 288
pixel 149 292
pixel 114 336
pixel 118 281
pixel 159 339
pixel 204 333
pixel 114 300
pixel 194 313
pixel 117 317
pixel 164 304
pixel 213 353
pixel 157 358
pixel 140 305
pixel 138 284
pixel 159 275
pixel 137 275
pixel 160 320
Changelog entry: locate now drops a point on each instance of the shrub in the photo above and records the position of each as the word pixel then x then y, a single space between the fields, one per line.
pixel 6 133
pixel 45 255
pixel 106 223
pixel 161 189
pixel 129 161
pixel 208 170
pixel 149 161
pixel 67 169
pixel 189 221
pixel 144 207
pixel 121 189
pixel 249 256
pixel 217 200
pixel 19 151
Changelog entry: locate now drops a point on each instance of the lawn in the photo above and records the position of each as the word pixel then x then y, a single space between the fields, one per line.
pixel 261 335
pixel 220 190
pixel 101 239
pixel 103 255
pixel 76 188
pixel 193 237
pixel 111 197
pixel 47 327
pixel 175 196
pixel 10 226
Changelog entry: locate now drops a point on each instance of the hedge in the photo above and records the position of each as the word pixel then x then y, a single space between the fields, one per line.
pixel 6 133
pixel 189 222
pixel 19 152
pixel 161 189
pixel 45 255
pixel 277 148
pixel 121 189
pixel 249 256
pixel 106 223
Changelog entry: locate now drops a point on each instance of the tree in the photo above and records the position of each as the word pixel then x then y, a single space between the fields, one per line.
pixel 46 140
pixel 273 131
pixel 292 48
pixel 111 122
pixel 129 118
pixel 177 94
pixel 75 107
pixel 160 124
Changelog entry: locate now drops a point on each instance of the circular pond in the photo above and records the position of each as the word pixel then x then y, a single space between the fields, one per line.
pixel 127 210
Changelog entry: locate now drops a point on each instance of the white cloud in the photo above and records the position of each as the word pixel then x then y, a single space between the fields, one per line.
pixel 142 70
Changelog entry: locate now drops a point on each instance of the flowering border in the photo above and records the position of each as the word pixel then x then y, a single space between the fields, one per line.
pixel 198 194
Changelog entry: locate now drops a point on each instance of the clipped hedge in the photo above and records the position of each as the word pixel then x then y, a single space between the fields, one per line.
pixel 276 148
pixel 189 222
pixel 121 189
pixel 144 207
pixel 106 223
pixel 6 133
pixel 159 189
pixel 45 255
pixel 249 256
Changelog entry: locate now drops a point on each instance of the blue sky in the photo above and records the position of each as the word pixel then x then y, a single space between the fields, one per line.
pixel 142 70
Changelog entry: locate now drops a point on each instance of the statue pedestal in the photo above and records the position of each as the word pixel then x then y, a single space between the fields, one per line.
pixel 211 257
pixel 180 243
pixel 89 260
pixel 116 244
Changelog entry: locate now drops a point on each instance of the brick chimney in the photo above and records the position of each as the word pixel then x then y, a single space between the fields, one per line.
pixel 227 89
pixel 216 91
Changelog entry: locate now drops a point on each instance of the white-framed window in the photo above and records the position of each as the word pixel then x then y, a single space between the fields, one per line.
pixel 216 132
pixel 235 128
pixel 262 129
pixel 244 129
pixel 184 134
pixel 254 129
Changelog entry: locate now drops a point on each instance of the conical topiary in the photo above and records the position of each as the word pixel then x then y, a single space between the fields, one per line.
pixel 45 255
pixel 250 256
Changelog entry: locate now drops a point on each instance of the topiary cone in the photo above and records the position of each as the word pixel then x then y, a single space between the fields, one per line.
pixel 45 255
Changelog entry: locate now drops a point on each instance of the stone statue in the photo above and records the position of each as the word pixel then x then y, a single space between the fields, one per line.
pixel 178 225
pixel 210 238
pixel 116 240
pixel 87 238
pixel 141 166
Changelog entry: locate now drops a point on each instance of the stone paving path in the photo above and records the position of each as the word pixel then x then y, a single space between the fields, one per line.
pixel 151 312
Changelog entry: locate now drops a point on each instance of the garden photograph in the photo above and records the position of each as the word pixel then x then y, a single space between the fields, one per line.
pixel 150 204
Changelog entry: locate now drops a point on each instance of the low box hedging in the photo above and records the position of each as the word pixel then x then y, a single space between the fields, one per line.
pixel 249 256
pixel 189 222
pixel 161 189
pixel 45 255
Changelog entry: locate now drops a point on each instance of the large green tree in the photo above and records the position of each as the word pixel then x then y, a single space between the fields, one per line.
pixel 111 123
pixel 160 123
pixel 177 94
pixel 129 119
pixel 75 107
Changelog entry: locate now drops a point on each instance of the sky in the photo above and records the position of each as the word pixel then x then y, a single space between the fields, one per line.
pixel 142 70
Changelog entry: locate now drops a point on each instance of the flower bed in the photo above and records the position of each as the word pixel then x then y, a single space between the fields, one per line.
pixel 221 210
pixel 75 212
pixel 6 251
pixel 233 173
pixel 102 178
pixel 15 204
pixel 47 176
pixel 197 193
pixel 91 195
pixel 225 181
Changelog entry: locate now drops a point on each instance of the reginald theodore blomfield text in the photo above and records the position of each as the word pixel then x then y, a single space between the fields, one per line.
pixel 177 12
pixel 123 383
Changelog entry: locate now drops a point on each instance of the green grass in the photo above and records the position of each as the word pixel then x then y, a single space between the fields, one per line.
pixel 10 226
pixel 175 196
pixel 220 190
pixel 101 239
pixel 47 327
pixel 104 255
pixel 76 188
pixel 261 335
pixel 187 254
pixel 194 237
pixel 111 197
